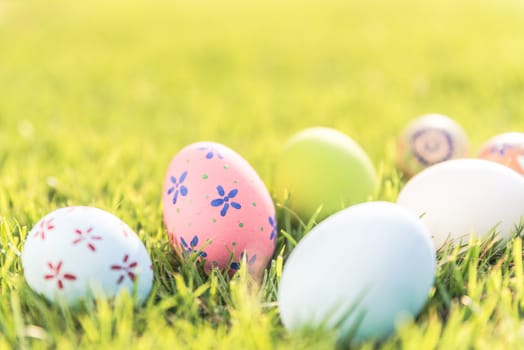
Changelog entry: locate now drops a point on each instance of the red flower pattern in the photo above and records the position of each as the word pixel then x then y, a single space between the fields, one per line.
pixel 83 236
pixel 44 227
pixel 126 268
pixel 124 229
pixel 58 275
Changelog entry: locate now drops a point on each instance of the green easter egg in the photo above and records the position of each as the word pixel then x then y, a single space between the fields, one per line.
pixel 322 167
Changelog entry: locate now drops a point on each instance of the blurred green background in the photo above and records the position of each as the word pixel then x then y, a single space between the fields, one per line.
pixel 96 97
pixel 82 83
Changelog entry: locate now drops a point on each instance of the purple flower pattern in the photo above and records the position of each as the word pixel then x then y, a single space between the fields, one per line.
pixel 224 200
pixel 178 187
pixel 191 247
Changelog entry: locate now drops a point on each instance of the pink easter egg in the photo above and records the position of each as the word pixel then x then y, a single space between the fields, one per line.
pixel 216 205
pixel 506 149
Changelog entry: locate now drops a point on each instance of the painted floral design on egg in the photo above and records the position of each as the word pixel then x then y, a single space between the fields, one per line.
pixel 44 227
pixel 178 187
pixel 235 265
pixel 506 149
pixel 57 275
pixel 191 248
pixel 227 204
pixel 273 223
pixel 126 268
pixel 211 151
pixel 77 253
pixel 223 200
pixel 88 237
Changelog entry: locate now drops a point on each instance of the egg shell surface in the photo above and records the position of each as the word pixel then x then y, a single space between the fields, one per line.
pixel 323 167
pixel 506 149
pixel 216 205
pixel 375 257
pixel 465 196
pixel 80 252
pixel 428 140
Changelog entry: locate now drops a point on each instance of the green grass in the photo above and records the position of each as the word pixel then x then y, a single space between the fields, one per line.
pixel 97 97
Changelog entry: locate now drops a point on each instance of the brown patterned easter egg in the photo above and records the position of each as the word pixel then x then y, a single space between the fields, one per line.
pixel 428 140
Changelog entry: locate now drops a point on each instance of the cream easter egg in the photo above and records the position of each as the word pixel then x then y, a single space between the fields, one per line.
pixel 466 196
pixel 506 149
pixel 323 168
pixel 359 272
pixel 428 140
pixel 78 252
pixel 216 205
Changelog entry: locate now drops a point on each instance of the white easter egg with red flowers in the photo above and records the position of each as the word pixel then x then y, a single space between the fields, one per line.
pixel 80 252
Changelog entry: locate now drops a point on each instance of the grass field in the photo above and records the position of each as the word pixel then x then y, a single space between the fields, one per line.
pixel 96 97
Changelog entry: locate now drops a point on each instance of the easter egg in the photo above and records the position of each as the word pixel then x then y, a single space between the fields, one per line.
pixel 428 140
pixel 362 270
pixel 322 168
pixel 79 252
pixel 215 205
pixel 506 149
pixel 465 196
